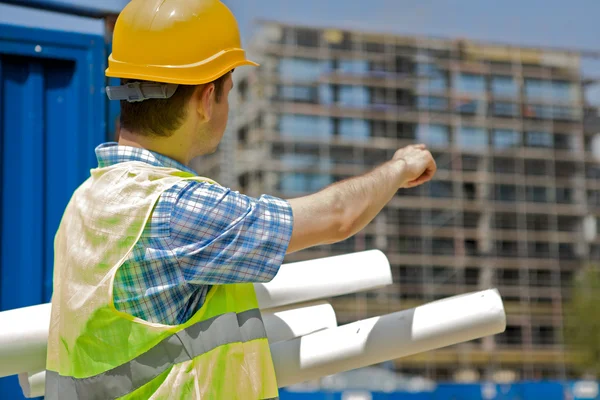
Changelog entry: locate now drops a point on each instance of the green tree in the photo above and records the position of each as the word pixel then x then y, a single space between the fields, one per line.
pixel 582 320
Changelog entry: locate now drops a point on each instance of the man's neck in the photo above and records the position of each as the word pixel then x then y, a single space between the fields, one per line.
pixel 166 146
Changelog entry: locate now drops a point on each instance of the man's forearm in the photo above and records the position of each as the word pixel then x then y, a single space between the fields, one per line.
pixel 344 208
pixel 361 198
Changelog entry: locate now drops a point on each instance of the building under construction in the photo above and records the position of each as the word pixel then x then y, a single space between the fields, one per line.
pixel 516 200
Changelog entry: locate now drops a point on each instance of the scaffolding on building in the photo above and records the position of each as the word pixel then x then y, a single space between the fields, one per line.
pixel 516 186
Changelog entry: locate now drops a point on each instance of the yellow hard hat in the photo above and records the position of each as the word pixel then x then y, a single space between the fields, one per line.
pixel 188 42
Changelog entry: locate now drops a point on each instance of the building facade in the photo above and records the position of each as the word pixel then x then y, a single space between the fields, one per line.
pixel 515 203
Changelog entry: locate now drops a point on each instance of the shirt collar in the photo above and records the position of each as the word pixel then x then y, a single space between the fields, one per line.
pixel 112 153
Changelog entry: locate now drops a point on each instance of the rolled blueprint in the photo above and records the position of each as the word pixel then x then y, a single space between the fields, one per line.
pixel 375 340
pixel 285 324
pixel 325 277
pixel 23 339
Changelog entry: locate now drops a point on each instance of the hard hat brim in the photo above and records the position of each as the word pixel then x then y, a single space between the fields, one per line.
pixel 173 74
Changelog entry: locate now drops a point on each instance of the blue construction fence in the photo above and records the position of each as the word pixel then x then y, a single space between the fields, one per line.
pixel 576 390
pixel 53 113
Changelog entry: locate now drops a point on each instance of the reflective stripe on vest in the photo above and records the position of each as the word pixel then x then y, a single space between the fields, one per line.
pixel 182 346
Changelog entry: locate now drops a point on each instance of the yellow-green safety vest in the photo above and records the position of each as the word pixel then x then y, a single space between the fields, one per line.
pixel 98 352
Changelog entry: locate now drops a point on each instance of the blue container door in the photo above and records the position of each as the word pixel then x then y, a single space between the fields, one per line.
pixel 52 115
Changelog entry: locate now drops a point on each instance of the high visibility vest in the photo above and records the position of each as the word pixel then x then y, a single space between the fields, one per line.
pixel 98 352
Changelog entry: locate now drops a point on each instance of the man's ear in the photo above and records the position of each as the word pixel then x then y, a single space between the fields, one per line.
pixel 206 95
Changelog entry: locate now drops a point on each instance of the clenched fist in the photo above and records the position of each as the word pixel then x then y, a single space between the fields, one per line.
pixel 419 165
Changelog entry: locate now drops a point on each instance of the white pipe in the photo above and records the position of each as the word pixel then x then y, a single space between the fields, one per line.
pixel 24 339
pixel 24 331
pixel 326 277
pixel 24 335
pixel 375 340
pixel 290 323
pixel 281 324
pixel 33 385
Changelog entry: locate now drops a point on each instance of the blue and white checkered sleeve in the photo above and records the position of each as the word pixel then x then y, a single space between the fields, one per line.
pixel 221 237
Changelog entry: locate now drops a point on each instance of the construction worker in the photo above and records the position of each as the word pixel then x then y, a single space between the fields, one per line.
pixel 155 265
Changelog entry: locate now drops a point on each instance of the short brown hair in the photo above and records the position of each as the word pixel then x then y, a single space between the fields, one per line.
pixel 161 117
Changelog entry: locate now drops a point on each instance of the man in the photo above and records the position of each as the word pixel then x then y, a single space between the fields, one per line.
pixel 154 265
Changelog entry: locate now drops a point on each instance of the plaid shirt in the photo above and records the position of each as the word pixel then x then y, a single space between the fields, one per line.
pixel 199 235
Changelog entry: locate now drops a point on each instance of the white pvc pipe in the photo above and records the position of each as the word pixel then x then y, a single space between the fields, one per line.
pixel 24 331
pixel 24 339
pixel 33 385
pixel 326 277
pixel 281 325
pixel 375 340
pixel 24 335
pixel 286 324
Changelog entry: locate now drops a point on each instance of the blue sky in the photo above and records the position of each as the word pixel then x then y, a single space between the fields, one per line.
pixel 558 23
pixel 562 23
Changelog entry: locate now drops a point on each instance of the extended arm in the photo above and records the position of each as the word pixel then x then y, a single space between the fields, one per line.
pixel 219 236
pixel 344 208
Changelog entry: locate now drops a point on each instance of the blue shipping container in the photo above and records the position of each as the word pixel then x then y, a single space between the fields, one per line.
pixel 53 112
